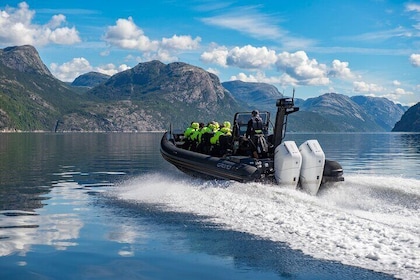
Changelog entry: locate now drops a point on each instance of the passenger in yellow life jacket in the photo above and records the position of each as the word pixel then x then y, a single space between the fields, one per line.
pixel 204 138
pixel 226 128
pixel 216 126
pixel 221 140
pixel 187 134
pixel 191 129
pixel 214 140
pixel 195 137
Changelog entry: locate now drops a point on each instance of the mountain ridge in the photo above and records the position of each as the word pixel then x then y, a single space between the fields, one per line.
pixel 152 96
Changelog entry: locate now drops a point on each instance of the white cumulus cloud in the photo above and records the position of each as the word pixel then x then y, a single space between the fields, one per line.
pixel 184 42
pixel 259 77
pixel 298 66
pixel 340 69
pixel 396 83
pixel 412 7
pixel 70 70
pixel 250 57
pixel 126 34
pixel 16 28
pixel 415 59
pixel 363 87
pixel 398 94
pixel 295 68
pixel 217 55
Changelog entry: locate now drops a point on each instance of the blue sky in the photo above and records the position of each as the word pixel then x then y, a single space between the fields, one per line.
pixel 359 47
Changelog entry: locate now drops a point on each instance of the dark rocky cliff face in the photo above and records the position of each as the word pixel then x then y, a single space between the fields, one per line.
pixel 23 59
pixel 410 121
pixel 175 81
pixel 175 93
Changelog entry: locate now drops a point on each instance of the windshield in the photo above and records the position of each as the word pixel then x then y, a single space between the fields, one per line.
pixel 241 121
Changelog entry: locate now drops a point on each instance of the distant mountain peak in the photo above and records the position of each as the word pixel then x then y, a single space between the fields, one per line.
pixel 174 81
pixel 90 79
pixel 23 59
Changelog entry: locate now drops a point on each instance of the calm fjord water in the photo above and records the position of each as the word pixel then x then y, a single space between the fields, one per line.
pixel 107 206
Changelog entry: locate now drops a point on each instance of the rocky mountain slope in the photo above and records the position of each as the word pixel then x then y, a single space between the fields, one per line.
pixel 23 59
pixel 344 113
pixel 259 95
pixel 150 96
pixel 410 121
pixel 329 112
pixel 175 93
pixel 30 97
pixel 384 112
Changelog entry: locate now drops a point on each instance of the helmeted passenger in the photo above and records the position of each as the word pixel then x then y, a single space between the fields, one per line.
pixel 188 133
pixel 204 138
pixel 221 140
pixel 195 137
pixel 226 128
pixel 191 129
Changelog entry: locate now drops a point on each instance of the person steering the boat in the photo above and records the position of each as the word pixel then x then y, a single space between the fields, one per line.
pixel 255 135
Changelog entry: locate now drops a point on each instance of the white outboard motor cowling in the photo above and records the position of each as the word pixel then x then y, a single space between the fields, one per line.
pixel 313 161
pixel 287 163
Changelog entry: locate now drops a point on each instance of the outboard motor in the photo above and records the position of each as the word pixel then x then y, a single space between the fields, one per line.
pixel 287 164
pixel 313 160
pixel 287 158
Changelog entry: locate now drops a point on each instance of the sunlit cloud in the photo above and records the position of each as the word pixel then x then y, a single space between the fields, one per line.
pixel 363 87
pixel 250 57
pixel 125 34
pixel 217 55
pixel 294 68
pixel 300 67
pixel 396 83
pixel 70 70
pixel 412 7
pixel 340 69
pixel 415 60
pixel 17 28
pixel 397 94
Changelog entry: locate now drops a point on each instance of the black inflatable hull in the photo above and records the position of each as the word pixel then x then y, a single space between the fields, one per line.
pixel 236 168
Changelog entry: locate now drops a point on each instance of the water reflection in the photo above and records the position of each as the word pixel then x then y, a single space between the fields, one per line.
pixel 45 180
pixel 29 161
pixel 21 230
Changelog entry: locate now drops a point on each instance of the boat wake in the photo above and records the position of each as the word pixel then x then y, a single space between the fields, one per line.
pixel 371 222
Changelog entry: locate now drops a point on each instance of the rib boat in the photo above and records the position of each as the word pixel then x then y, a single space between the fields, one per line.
pixel 283 164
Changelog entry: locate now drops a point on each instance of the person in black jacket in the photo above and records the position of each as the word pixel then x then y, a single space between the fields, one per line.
pixel 255 134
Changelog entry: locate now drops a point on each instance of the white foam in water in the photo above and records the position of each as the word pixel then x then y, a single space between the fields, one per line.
pixel 367 221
